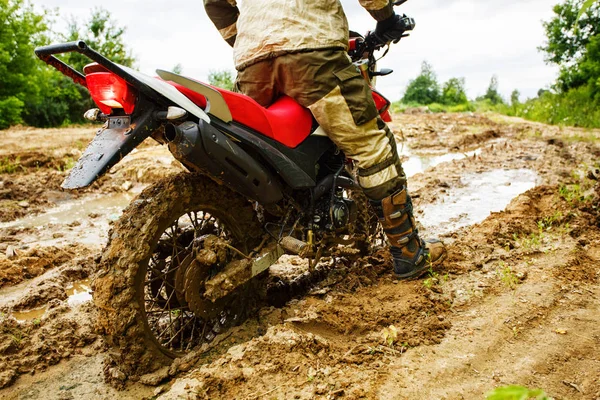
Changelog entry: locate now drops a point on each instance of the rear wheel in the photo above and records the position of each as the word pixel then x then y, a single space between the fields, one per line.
pixel 174 236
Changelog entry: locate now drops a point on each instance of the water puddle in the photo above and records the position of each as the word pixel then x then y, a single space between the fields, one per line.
pixel 481 194
pixel 29 315
pixel 418 163
pixel 78 292
pixel 70 211
pixel 84 220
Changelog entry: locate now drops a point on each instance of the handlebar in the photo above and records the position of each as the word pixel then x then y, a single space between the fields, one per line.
pixel 371 42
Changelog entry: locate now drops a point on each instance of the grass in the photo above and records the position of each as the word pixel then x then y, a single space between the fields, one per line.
pixel 10 167
pixel 577 108
pixel 17 336
pixel 508 276
pixel 585 137
pixel 545 226
pixel 433 279
pixel 574 194
pixel 67 164
pixel 515 392
pixel 533 241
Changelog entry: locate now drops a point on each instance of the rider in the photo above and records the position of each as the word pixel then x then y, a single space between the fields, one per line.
pixel 299 49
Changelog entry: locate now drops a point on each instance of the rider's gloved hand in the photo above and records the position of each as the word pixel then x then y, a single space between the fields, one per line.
pixel 392 28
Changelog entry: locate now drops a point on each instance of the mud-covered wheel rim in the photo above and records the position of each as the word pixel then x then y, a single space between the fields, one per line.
pixel 168 319
pixel 118 286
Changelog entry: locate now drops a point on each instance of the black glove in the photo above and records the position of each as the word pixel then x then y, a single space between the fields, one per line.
pixel 391 29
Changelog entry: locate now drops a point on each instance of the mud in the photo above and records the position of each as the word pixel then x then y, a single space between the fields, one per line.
pixel 516 301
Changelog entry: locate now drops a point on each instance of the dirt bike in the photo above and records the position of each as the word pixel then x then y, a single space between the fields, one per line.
pixel 262 182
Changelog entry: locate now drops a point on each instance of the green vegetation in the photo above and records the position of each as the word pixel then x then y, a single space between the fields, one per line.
pixel 35 94
pixel 21 31
pixel 424 89
pixel 67 164
pixel 572 43
pixel 434 279
pixel 30 91
pixel 9 167
pixel 586 6
pixel 222 79
pixel 508 276
pixel 492 95
pixel 515 392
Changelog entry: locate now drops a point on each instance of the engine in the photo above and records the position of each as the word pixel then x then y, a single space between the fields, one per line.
pixel 335 211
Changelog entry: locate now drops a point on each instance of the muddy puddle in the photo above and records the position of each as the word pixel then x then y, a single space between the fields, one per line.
pixel 85 220
pixel 78 292
pixel 479 195
pixel 420 162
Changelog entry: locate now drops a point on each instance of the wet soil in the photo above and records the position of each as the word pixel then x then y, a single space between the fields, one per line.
pixel 516 301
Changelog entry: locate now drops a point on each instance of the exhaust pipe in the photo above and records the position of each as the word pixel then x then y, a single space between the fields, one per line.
pixel 172 133
pixel 203 148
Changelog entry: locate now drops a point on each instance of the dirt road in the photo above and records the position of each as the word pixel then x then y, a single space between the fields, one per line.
pixel 516 302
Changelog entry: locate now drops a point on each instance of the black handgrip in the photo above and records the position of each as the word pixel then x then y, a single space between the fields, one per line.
pixel 45 51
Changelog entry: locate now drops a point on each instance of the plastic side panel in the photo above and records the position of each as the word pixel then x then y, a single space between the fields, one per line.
pixel 203 148
pixel 290 171
pixel 291 123
pixel 197 98
pixel 169 92
pixel 216 104
pixel 248 112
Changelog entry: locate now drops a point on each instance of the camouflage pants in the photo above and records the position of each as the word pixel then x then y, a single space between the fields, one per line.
pixel 327 83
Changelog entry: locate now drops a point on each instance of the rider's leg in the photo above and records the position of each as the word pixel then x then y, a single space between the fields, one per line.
pixel 258 82
pixel 340 99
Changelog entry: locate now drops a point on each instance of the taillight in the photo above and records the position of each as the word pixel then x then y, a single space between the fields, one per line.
pixel 109 91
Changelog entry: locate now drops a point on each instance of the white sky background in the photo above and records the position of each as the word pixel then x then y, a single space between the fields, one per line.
pixel 474 39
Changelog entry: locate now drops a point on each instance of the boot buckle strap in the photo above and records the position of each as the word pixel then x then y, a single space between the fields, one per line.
pixel 400 198
pixel 399 213
pixel 401 240
pixel 396 215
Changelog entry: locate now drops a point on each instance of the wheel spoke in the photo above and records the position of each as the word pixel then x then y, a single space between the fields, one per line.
pixel 169 318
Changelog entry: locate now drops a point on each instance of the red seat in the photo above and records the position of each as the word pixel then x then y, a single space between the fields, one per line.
pixel 285 120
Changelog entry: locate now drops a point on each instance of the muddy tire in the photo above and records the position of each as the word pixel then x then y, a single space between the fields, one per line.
pixel 119 285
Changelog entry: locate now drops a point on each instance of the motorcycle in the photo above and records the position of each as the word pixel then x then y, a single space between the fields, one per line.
pixel 261 182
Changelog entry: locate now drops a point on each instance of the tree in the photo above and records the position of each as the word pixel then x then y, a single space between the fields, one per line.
pixel 424 89
pixel 492 93
pixel 102 34
pixel 515 103
pixel 21 30
pixel 453 92
pixel 62 101
pixel 178 69
pixel 222 79
pixel 568 38
pixel 514 97
pixel 586 6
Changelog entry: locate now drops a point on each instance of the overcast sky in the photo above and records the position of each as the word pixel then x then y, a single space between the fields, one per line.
pixel 474 39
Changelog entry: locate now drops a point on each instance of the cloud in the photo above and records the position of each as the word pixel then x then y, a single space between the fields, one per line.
pixel 469 38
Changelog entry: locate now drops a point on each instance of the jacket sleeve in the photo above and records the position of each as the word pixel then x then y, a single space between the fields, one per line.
pixel 224 14
pixel 379 9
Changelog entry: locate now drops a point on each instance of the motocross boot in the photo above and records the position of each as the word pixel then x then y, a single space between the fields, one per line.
pixel 412 255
